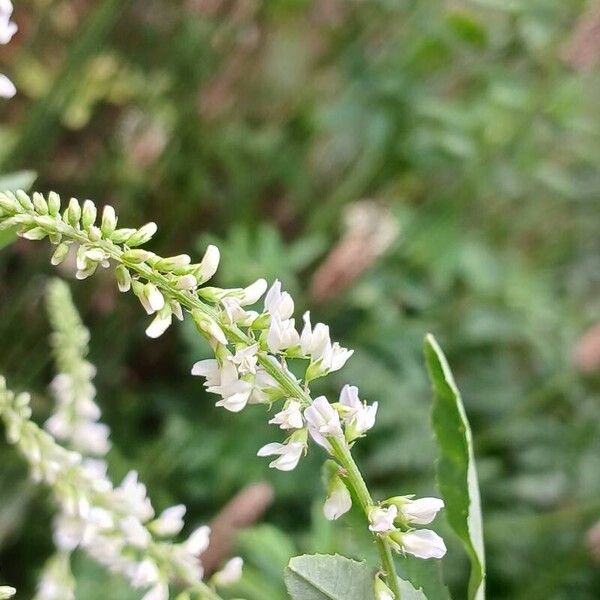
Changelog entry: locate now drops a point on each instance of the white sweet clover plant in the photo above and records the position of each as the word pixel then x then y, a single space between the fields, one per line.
pixel 116 526
pixel 251 349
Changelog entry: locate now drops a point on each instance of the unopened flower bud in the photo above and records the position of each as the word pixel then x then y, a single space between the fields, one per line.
pixel 187 282
pixel 230 573
pixel 24 200
pixel 382 591
pixel 60 254
pixel 173 263
pixel 109 221
pixel 123 278
pixel 88 214
pixel 338 501
pixel 41 206
pixel 118 236
pixel 53 203
pixel 142 235
pixel 73 212
pixel 136 256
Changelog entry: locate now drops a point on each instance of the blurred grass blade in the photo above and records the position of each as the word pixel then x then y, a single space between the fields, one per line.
pixel 456 471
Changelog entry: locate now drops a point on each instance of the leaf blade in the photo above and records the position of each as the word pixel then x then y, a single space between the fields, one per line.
pixel 456 470
pixel 328 577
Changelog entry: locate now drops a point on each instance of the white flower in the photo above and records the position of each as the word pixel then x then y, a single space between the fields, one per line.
pixel 338 502
pixel 359 416
pixel 335 357
pixel 170 521
pixel 381 519
pixel 246 359
pixel 289 454
pixel 316 343
pixel 230 573
pixel 156 300
pixel 209 263
pixel 423 543
pixel 278 303
pixel 290 417
pixel 6 591
pixel 161 323
pixel 131 495
pixel 68 532
pixel 91 437
pixel 420 511
pixel 7 27
pixel 282 334
pixel 253 293
pixel 198 542
pixel 134 532
pixel 159 592
pixel 144 574
pixel 264 386
pixel 323 421
pixel 210 369
pixel 7 87
pixel 313 342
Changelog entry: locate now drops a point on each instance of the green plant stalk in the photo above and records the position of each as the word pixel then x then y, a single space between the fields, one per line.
pixel 343 455
pixel 191 302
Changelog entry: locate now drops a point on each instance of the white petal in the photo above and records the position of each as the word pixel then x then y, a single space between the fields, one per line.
pixel 423 543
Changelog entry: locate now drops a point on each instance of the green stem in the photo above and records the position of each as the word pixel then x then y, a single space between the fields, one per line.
pixel 357 483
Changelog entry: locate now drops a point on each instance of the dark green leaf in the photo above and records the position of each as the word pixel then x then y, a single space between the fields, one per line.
pixel 326 577
pixel 456 471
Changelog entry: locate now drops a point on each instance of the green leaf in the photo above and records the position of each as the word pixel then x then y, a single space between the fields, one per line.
pixel 456 471
pixel 408 591
pixel 326 577
pixel 425 575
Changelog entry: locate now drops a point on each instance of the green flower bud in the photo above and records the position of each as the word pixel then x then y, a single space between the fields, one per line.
pixel 53 203
pixel 142 235
pixel 24 200
pixel 41 206
pixel 73 212
pixel 88 214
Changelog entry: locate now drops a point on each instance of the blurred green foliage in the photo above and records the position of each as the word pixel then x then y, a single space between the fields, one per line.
pixel 255 125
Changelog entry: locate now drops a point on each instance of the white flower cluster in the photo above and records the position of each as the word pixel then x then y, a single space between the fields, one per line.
pixel 114 525
pixel 395 517
pixel 7 30
pixel 75 418
pixel 237 377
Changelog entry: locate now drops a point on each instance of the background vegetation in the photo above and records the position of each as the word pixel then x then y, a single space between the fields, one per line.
pixel 403 167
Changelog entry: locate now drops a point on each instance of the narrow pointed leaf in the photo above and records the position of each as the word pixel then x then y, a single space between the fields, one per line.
pixel 456 471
